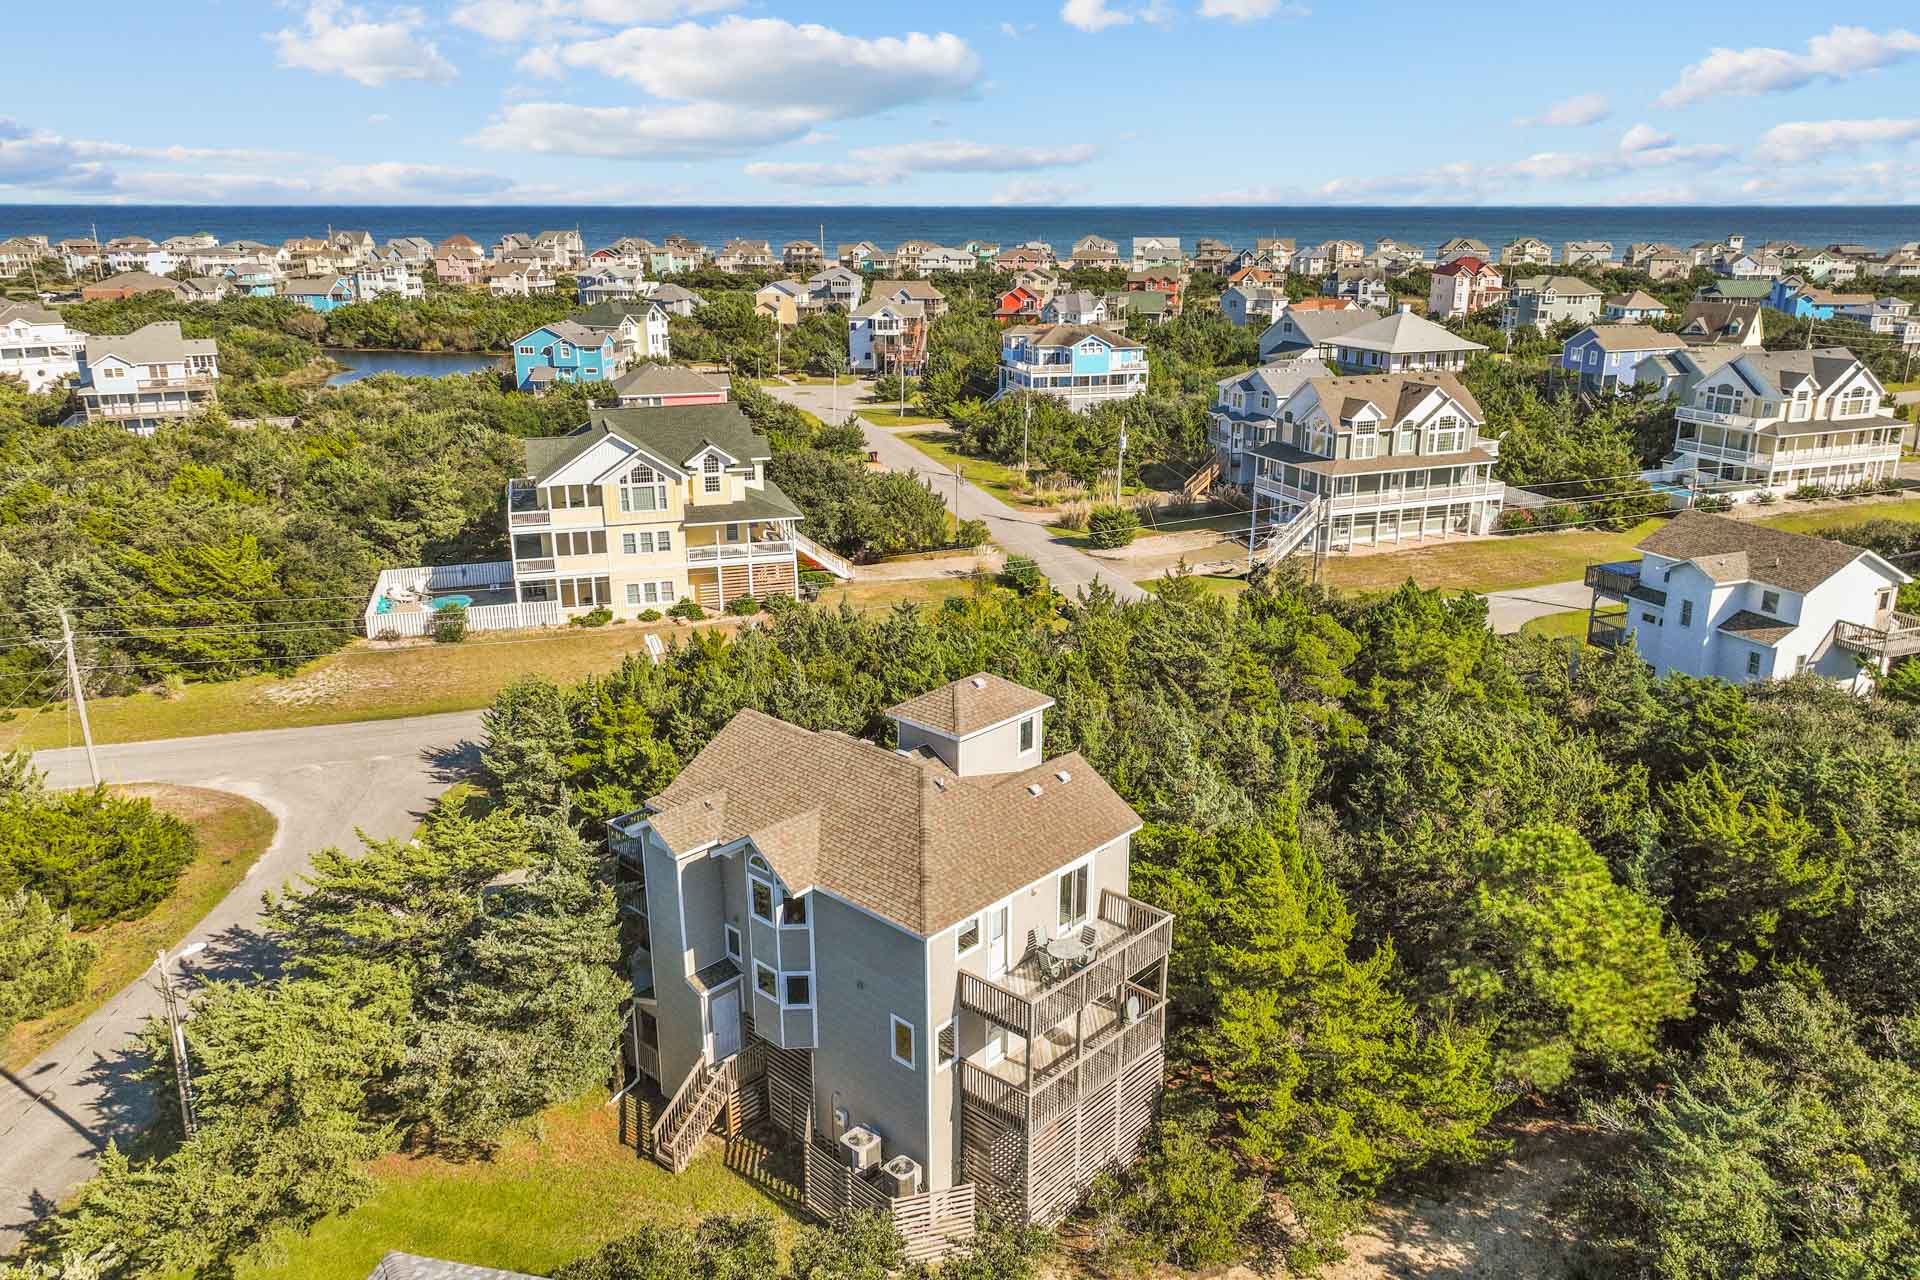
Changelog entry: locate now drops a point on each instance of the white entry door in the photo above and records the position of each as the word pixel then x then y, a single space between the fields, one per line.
pixel 724 1011
pixel 996 941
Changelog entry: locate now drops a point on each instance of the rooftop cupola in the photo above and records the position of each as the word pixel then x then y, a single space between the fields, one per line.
pixel 977 725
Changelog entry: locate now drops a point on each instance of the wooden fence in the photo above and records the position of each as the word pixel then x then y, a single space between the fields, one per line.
pixel 933 1223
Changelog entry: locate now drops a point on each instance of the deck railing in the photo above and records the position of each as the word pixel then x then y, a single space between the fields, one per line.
pixel 1145 934
pixel 1065 1081
pixel 1613 579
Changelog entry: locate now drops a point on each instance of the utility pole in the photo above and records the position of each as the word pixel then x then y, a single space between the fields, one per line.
pixel 176 1033
pixel 79 694
pixel 1026 428
pixel 1119 467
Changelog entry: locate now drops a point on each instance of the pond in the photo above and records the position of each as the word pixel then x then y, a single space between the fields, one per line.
pixel 409 364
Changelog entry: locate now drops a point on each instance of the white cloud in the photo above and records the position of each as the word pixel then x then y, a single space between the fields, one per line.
pixel 735 84
pixel 1841 54
pixel 885 165
pixel 399 178
pixel 691 130
pixel 774 63
pixel 336 40
pixel 1580 109
pixel 1644 137
pixel 1033 191
pixel 379 117
pixel 1801 141
pixel 510 21
pixel 1248 10
pixel 1641 149
pixel 1092 15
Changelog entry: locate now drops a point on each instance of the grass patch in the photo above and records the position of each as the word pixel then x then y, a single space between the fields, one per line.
pixel 1485 564
pixel 1557 626
pixel 996 478
pixel 538 1203
pixel 361 682
pixel 883 417
pixel 1907 509
pixel 885 594
pixel 233 832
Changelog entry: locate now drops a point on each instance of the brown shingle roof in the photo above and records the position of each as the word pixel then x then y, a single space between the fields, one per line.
pixel 970 705
pixel 898 835
pixel 1396 394
pixel 1729 550
pixel 1757 627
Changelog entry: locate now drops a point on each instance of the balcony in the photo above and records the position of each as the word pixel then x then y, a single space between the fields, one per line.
pixel 1607 631
pixel 1129 935
pixel 530 519
pixel 1707 417
pixel 1899 638
pixel 541 564
pixel 1618 578
pixel 740 552
pixel 1115 1035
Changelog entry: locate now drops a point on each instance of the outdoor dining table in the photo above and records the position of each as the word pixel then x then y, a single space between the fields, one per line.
pixel 1070 951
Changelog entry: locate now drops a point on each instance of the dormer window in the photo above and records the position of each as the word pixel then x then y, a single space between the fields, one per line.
pixel 643 489
pixel 710 473
pixel 1029 732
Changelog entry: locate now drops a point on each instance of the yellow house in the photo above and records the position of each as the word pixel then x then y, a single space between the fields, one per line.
pixel 782 300
pixel 640 508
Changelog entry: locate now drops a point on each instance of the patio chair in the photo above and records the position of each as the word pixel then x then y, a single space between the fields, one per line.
pixel 1089 939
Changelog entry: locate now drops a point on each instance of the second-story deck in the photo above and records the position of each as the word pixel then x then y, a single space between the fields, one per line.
pixel 1030 998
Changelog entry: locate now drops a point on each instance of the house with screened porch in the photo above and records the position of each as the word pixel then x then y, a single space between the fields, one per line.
pixel 641 508
pixel 915 960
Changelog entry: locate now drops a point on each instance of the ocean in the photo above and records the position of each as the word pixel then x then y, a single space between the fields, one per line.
pixel 1879 227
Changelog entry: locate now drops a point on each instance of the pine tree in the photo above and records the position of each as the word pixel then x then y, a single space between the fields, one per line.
pixel 528 737
pixel 42 965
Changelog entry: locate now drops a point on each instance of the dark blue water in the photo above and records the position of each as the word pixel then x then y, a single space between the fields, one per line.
pixel 410 364
pixel 1877 226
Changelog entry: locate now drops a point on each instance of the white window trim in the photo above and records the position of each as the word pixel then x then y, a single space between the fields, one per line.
pixel 760 966
pixel 1061 930
pixel 736 944
pixel 1034 719
pixel 806 906
pixel 979 923
pixel 894 1023
pixel 952 1025
pixel 773 901
pixel 796 973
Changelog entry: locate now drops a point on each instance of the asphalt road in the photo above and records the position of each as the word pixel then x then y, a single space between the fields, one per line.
pixel 323 784
pixel 1014 531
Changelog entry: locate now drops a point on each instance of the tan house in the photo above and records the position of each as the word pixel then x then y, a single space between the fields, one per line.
pixel 641 508
pixel 936 1022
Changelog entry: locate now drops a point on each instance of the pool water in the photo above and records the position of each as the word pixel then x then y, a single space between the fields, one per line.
pixel 385 603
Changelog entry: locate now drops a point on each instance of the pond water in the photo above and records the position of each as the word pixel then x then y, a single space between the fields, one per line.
pixel 410 364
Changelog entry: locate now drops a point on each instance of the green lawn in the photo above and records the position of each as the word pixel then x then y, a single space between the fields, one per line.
pixel 889 416
pixel 535 1205
pixel 1558 626
pixel 886 593
pixel 361 682
pixel 1533 559
pixel 996 478
pixel 233 833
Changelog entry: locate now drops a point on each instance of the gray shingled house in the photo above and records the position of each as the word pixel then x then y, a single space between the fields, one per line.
pixel 920 963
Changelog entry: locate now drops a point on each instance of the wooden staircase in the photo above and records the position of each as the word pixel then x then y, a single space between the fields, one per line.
pixel 691 1112
pixel 1202 480
pixel 837 565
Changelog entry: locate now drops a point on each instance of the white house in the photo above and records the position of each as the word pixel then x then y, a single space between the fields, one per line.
pixel 395 278
pixel 1713 596
pixel 1154 253
pixel 148 377
pixel 1248 303
pixel 1246 412
pixel 887 336
pixel 36 346
pixel 1782 419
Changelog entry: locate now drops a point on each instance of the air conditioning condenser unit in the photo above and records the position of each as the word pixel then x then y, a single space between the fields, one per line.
pixel 862 1146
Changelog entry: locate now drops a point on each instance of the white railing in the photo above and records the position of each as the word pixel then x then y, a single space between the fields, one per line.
pixel 420 580
pixel 837 565
pixel 1690 413
pixel 1800 457
pixel 714 553
pixel 485 617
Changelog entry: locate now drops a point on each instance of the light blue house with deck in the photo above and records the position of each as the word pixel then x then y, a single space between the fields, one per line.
pixel 562 352
pixel 1080 364
pixel 1619 357
pixel 320 293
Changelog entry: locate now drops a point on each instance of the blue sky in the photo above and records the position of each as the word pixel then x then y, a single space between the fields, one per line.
pixel 1081 102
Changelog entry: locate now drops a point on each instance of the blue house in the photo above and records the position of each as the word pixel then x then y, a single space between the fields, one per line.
pixel 322 293
pixel 1619 357
pixel 562 352
pixel 1803 301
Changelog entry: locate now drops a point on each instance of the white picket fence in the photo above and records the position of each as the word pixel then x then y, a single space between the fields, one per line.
pixel 491 575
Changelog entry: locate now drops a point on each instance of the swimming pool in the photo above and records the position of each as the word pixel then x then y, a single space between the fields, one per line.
pixel 385 603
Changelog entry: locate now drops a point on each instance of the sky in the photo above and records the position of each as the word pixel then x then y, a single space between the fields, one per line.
pixel 660 102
